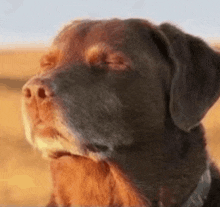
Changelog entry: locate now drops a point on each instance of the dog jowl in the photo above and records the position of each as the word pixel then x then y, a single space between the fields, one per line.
pixel 117 106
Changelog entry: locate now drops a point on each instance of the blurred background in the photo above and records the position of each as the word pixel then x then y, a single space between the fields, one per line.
pixel 26 30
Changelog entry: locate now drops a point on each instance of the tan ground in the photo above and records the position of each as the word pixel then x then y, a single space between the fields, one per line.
pixel 24 175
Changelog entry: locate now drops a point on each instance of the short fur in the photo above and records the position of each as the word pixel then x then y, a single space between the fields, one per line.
pixel 117 105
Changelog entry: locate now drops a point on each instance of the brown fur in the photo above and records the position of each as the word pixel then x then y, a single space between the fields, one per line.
pixel 91 183
pixel 51 59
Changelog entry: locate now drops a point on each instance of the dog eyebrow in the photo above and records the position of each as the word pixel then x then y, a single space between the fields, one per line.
pixel 96 53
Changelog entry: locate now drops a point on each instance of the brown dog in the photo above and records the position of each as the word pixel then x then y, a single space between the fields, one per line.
pixel 117 105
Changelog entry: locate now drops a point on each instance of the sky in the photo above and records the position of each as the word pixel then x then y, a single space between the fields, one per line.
pixel 36 21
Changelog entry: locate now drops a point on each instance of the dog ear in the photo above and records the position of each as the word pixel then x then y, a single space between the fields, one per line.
pixel 196 81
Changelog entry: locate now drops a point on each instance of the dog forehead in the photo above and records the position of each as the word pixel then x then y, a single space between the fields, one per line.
pixel 79 35
pixel 98 41
pixel 91 31
pixel 76 37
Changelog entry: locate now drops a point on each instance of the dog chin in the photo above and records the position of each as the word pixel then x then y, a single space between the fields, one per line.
pixel 53 147
pixel 52 144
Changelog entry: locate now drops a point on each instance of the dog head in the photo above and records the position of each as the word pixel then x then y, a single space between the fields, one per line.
pixel 126 92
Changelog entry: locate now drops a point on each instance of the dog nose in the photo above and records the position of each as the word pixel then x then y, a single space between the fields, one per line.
pixel 37 88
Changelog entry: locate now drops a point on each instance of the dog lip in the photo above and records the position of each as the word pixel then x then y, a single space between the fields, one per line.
pixel 96 148
pixel 58 154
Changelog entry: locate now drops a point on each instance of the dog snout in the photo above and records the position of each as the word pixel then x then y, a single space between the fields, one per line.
pixel 38 89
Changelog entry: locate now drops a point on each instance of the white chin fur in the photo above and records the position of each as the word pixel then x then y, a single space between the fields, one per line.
pixel 50 145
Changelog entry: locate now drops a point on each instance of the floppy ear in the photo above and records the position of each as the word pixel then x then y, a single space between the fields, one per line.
pixel 196 80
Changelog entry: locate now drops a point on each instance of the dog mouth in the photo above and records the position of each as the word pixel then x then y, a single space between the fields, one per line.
pixel 54 142
pixel 59 154
pixel 47 131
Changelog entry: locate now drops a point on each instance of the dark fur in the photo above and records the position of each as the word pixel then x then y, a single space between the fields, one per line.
pixel 143 112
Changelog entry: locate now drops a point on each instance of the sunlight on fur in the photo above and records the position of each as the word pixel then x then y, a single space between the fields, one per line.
pixel 93 183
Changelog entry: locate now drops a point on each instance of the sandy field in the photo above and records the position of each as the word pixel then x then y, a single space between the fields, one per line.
pixel 24 175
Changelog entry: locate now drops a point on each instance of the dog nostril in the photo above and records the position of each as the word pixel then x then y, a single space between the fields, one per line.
pixel 41 93
pixel 27 93
pixel 97 148
pixel 38 88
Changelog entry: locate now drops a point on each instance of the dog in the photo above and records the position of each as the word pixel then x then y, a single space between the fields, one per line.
pixel 117 106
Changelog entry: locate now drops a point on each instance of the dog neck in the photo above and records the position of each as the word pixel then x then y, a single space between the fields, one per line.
pixel 199 195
